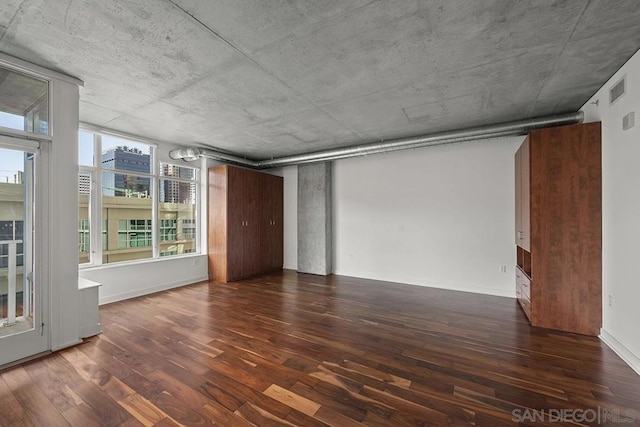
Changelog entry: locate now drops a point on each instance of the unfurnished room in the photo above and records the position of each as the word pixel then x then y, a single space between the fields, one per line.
pixel 319 213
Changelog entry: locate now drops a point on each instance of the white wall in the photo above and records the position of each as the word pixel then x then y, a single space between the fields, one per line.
pixel 132 279
pixel 440 216
pixel 620 212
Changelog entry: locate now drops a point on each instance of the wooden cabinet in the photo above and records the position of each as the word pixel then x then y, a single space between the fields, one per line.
pixel 245 223
pixel 559 228
pixel 274 225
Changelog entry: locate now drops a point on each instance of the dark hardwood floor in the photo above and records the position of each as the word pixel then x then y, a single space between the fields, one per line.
pixel 294 349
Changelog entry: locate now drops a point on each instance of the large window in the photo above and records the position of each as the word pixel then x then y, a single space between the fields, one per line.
pixel 146 209
pixel 28 112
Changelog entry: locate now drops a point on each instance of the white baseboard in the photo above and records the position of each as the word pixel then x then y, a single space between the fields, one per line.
pixel 66 345
pixel 510 293
pixel 625 354
pixel 146 291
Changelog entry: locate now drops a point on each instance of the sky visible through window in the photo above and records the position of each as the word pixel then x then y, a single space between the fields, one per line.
pixel 12 161
pixel 85 149
pixel 86 146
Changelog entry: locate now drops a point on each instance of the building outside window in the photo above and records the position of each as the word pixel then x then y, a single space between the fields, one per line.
pixel 140 202
pixel 131 159
pixel 11 231
pixel 83 236
pixel 134 233
pixel 188 229
pixel 177 192
pixel 167 230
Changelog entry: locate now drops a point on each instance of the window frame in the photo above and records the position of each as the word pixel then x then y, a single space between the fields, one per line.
pixel 195 181
pixel 38 73
pixel 155 177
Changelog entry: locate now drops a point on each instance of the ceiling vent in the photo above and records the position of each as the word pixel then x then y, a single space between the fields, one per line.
pixel 618 90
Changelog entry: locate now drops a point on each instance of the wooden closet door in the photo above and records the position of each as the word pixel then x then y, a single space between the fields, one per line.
pixel 264 219
pixel 253 228
pixel 235 223
pixel 566 226
pixel 276 218
pixel 270 213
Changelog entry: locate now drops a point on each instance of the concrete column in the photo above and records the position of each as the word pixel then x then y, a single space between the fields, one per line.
pixel 315 245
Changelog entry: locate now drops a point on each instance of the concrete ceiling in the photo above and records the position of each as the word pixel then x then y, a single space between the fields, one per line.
pixel 272 78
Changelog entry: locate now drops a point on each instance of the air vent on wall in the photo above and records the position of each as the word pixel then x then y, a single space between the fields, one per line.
pixel 617 90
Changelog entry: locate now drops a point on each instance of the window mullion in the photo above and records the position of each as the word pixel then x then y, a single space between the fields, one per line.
pixel 196 219
pixel 96 200
pixel 155 203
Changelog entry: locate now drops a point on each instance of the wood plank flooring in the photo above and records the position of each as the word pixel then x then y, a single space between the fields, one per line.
pixel 293 349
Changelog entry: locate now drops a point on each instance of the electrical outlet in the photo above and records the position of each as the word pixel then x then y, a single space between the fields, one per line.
pixel 503 268
pixel 610 300
pixel 629 121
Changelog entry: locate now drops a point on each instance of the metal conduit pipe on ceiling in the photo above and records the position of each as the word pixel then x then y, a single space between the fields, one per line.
pixel 520 127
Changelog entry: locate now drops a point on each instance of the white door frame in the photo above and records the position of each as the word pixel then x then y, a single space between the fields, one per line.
pixel 36 340
pixel 57 193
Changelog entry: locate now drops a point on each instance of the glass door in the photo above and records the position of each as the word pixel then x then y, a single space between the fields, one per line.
pixel 22 325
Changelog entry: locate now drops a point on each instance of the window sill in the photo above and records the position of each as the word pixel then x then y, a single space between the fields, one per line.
pixel 89 267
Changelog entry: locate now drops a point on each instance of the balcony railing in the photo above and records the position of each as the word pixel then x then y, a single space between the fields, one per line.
pixel 9 268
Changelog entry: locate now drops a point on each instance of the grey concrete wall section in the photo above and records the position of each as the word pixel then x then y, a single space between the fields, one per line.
pixel 315 246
